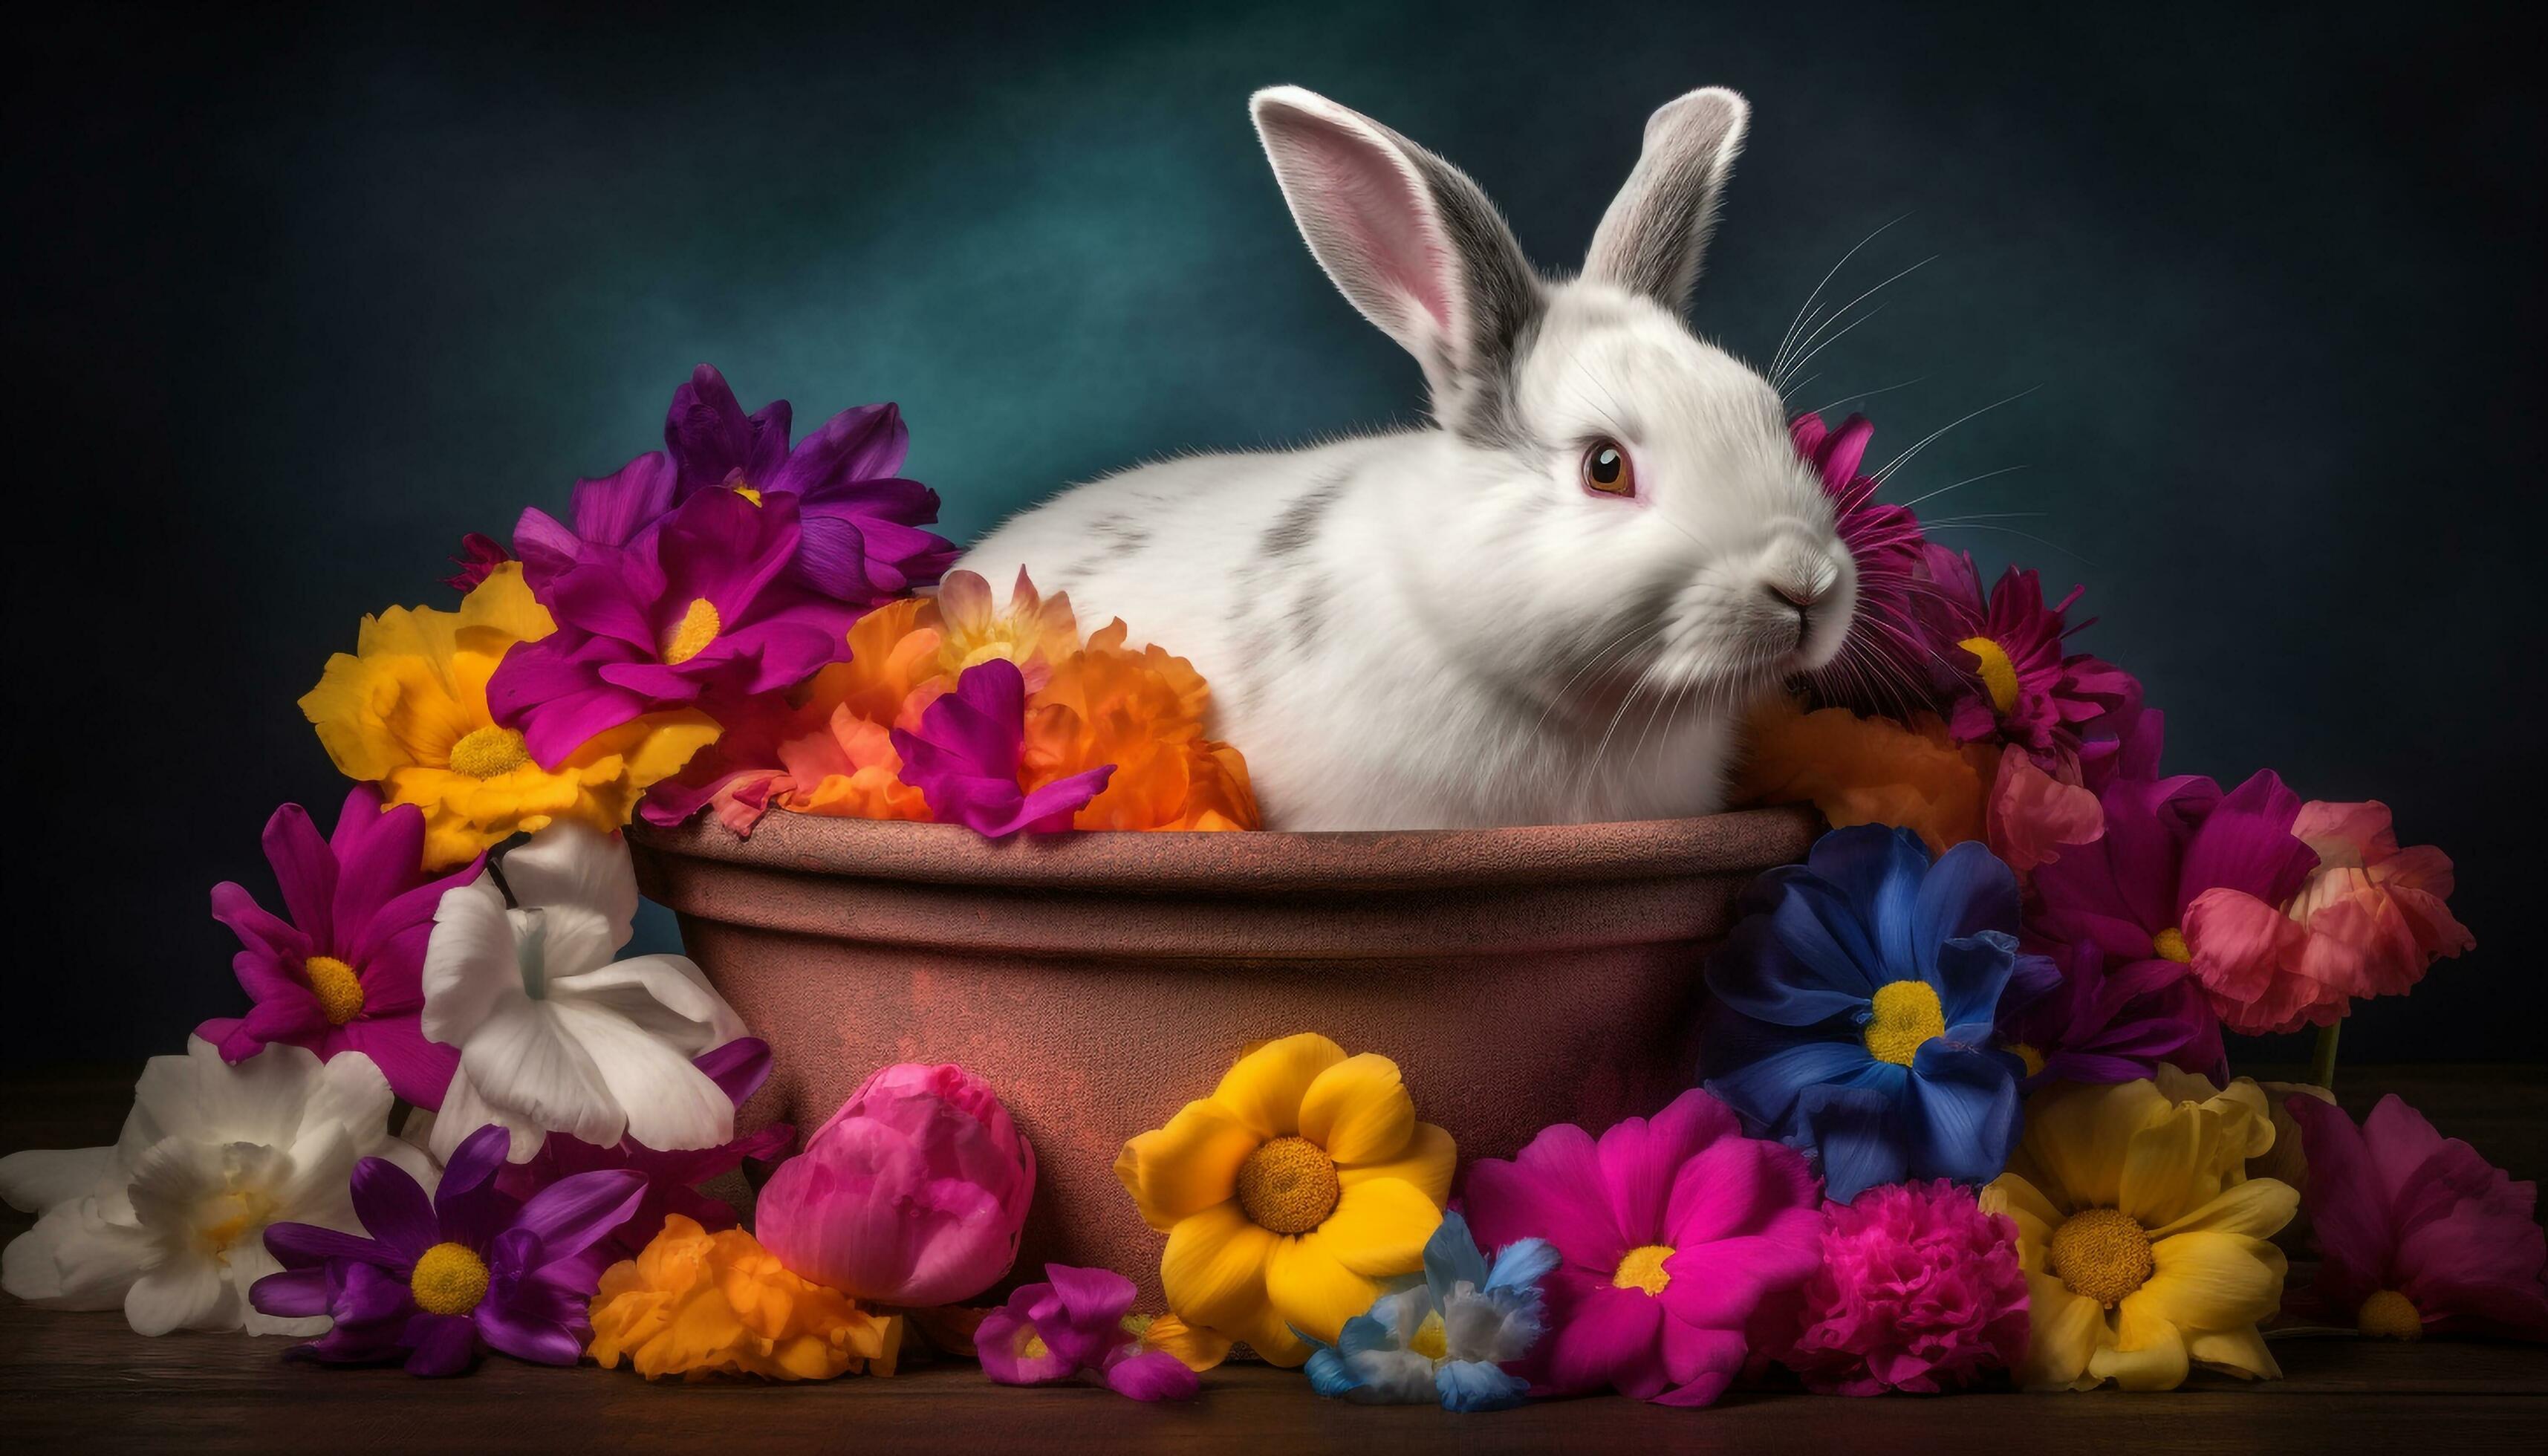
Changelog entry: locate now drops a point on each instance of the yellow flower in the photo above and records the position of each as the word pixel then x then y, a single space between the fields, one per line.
pixel 408 710
pixel 696 1304
pixel 1032 631
pixel 1198 1350
pixel 1291 1195
pixel 2143 1238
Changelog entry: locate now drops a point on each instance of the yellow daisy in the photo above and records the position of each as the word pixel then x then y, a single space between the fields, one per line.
pixel 407 709
pixel 1291 1195
pixel 2143 1240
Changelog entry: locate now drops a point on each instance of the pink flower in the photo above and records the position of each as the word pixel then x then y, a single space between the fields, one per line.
pixel 2031 816
pixel 1671 1232
pixel 912 1194
pixel 1919 1290
pixel 2012 682
pixel 1073 1322
pixel 1884 666
pixel 965 759
pixel 2417 1232
pixel 2376 914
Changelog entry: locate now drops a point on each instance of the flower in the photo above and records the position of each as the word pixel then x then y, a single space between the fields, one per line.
pixel 1855 1004
pixel 1448 1338
pixel 408 710
pixel 1886 663
pixel 701 609
pixel 1671 1233
pixel 2031 816
pixel 738 1068
pixel 2376 915
pixel 552 1035
pixel 2188 875
pixel 2104 1022
pixel 1291 1194
pixel 1908 773
pixel 165 1222
pixel 479 557
pixel 2020 688
pixel 434 1281
pixel 1919 1290
pixel 1075 1321
pixel 1140 714
pixel 1033 631
pixel 2143 1240
pixel 913 1193
pixel 698 1303
pixel 965 759
pixel 2416 1233
pixel 345 973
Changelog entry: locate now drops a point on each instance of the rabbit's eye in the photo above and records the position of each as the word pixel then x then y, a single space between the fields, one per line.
pixel 1606 470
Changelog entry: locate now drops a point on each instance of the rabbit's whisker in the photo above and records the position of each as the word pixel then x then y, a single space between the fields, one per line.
pixel 1788 338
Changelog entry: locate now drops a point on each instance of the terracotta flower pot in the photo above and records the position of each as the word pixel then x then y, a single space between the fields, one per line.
pixel 1518 977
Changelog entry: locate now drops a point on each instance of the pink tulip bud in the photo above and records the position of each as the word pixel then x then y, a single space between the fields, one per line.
pixel 912 1194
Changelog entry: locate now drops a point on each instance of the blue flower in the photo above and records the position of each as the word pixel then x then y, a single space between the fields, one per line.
pixel 1855 1003
pixel 1447 1339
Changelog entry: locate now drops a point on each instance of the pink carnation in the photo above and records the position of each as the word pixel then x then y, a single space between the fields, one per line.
pixel 2376 915
pixel 1919 1291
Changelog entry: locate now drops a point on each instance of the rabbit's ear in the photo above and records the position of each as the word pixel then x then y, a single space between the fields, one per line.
pixel 1654 235
pixel 1409 239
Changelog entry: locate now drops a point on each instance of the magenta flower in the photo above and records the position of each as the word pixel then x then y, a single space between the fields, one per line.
pixel 673 1178
pixel 1891 672
pixel 2417 1232
pixel 345 973
pixel 2019 688
pixel 965 759
pixel 1919 1290
pixel 698 609
pixel 2106 1023
pixel 913 1194
pixel 479 557
pixel 438 1278
pixel 1071 1322
pixel 2196 880
pixel 1671 1232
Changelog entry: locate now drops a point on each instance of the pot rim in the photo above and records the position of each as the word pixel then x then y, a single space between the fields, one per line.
pixel 1742 841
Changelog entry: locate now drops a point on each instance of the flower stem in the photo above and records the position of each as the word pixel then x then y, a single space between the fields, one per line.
pixel 2323 1064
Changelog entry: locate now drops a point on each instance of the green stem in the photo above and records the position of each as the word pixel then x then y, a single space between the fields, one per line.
pixel 2323 1065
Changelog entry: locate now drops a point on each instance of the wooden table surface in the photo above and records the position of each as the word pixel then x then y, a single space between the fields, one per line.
pixel 87 1379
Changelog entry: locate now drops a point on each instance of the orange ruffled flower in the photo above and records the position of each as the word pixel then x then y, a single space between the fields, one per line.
pixel 1142 712
pixel 1909 774
pixel 696 1304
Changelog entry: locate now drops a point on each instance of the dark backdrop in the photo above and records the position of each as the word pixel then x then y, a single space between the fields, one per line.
pixel 296 301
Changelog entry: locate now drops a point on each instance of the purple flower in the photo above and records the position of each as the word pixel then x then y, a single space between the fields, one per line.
pixel 738 1068
pixel 1885 665
pixel 2003 667
pixel 480 557
pixel 437 1279
pixel 864 540
pixel 345 973
pixel 1073 1322
pixel 699 608
pixel 965 759
pixel 2111 1023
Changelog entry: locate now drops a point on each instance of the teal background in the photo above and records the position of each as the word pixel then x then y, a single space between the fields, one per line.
pixel 300 297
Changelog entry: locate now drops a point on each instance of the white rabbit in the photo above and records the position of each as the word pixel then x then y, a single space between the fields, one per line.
pixel 1554 604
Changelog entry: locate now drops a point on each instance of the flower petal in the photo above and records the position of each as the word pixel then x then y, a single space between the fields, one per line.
pixel 1379 1229
pixel 1264 1088
pixel 1213 1270
pixel 1428 1162
pixel 1358 1109
pixel 1313 1290
pixel 1187 1166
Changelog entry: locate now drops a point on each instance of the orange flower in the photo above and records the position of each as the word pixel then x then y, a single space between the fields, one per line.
pixel 1868 770
pixel 1141 712
pixel 696 1304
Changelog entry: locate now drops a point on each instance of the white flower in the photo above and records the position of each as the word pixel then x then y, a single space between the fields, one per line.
pixel 171 1221
pixel 552 1035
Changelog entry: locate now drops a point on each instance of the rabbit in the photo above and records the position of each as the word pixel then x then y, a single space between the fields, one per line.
pixel 1551 604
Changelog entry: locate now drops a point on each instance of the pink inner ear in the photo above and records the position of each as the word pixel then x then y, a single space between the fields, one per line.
pixel 1374 215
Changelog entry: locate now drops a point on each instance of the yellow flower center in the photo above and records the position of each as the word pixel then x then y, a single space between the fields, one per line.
pixel 2389 1315
pixel 2101 1253
pixel 1289 1185
pixel 2171 944
pixel 747 490
pixel 699 626
pixel 338 990
pixel 1997 673
pixel 1907 1017
pixel 1032 1347
pixel 2033 1058
pixel 449 1280
pixel 489 753
pixel 234 1214
pixel 1643 1268
pixel 1430 1339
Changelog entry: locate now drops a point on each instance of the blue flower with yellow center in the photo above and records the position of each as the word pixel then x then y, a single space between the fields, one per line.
pixel 1855 1003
